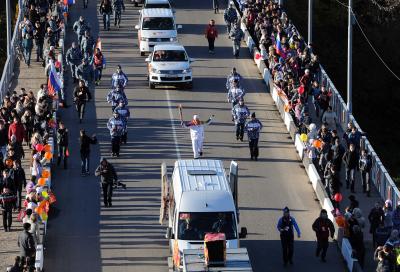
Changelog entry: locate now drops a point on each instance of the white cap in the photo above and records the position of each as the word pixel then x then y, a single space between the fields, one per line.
pixel 307 71
pixel 196 117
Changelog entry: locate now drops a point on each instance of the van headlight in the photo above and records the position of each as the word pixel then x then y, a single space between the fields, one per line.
pixel 155 71
pixel 144 39
pixel 187 71
pixel 173 39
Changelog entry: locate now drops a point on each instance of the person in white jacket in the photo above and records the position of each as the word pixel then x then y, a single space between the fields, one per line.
pixel 330 118
pixel 197 133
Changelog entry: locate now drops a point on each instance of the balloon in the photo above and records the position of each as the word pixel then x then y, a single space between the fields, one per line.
pixel 45 174
pixel 48 155
pixel 42 181
pixel 44 216
pixel 303 137
pixel 45 194
pixel 338 197
pixel 39 147
pixel 317 143
pixel 47 148
pixel 257 56
pixel 9 162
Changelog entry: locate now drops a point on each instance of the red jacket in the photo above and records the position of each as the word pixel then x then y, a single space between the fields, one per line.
pixel 18 130
pixel 211 32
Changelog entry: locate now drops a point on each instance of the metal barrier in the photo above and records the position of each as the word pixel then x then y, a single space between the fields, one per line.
pixel 8 71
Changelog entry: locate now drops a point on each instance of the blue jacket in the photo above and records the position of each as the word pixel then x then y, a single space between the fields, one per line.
pixel 115 97
pixel 288 232
pixel 119 79
pixel 253 128
pixel 123 112
pixel 116 126
pixel 240 114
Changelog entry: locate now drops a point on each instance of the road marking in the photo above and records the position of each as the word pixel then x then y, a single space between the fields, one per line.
pixel 172 120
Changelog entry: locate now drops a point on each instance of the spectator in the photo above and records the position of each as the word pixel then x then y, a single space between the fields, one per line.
pixel 27 43
pixel 393 240
pixel 7 203
pixel 388 214
pixel 375 219
pixel 396 217
pixel 17 129
pixel 17 267
pixel 323 228
pixel 365 165
pixel 99 64
pixel 353 203
pixel 350 159
pixel 230 17
pixel 26 242
pixel 3 138
pixel 62 143
pixel 85 142
pixel 38 35
pixel 357 244
pixel 211 34
pixel 330 118
pixel 20 181
pixel 105 9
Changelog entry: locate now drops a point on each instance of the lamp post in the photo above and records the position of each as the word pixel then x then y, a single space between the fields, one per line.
pixel 310 20
pixel 8 25
pixel 350 58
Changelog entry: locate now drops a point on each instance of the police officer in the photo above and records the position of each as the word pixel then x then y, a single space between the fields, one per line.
pixel 230 16
pixel 323 228
pixel 240 113
pixel 85 71
pixel 87 44
pixel 118 7
pixel 115 96
pixel 116 126
pixel 124 113
pixel 285 227
pixel 236 35
pixel 80 27
pixel 235 93
pixel 108 177
pixel 231 77
pixel 119 78
pixel 253 128
pixel 74 59
pixel 81 96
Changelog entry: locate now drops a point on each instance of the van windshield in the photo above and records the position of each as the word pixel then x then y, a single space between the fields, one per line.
pixel 169 55
pixel 160 5
pixel 194 226
pixel 158 23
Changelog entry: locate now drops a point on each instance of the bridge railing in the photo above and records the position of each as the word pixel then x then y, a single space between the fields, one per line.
pixel 8 71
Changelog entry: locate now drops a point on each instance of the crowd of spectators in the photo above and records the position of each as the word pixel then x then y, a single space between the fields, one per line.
pixel 295 71
pixel 27 120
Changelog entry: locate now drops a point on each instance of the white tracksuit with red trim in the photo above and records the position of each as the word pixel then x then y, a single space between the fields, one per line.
pixel 197 135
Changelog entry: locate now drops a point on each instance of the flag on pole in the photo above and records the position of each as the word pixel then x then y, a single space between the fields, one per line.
pixel 278 45
pixel 54 83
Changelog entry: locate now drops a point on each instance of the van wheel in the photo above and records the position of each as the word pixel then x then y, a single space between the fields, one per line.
pixel 151 85
pixel 142 54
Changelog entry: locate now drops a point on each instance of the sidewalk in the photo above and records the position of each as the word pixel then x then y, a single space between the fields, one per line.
pixel 28 78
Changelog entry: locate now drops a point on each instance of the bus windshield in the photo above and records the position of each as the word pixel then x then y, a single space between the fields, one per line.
pixel 194 226
pixel 158 23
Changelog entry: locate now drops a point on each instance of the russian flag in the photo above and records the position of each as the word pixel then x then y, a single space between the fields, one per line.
pixel 278 45
pixel 54 83
pixel 69 2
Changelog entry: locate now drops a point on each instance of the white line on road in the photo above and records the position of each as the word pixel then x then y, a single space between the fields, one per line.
pixel 172 120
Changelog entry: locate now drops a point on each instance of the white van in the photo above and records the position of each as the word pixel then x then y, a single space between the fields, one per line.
pixel 156 26
pixel 199 200
pixel 157 4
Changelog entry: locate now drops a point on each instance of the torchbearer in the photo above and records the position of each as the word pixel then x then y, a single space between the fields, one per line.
pixel 196 132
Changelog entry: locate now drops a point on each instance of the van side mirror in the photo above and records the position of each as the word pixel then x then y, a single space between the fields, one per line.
pixel 179 26
pixel 243 233
pixel 137 27
pixel 169 234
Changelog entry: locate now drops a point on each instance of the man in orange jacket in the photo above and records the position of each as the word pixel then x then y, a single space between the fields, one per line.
pixel 211 34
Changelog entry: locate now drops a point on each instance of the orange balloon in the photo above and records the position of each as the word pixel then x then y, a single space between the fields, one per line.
pixel 317 143
pixel 46 174
pixel 47 148
pixel 9 162
pixel 48 155
pixel 42 181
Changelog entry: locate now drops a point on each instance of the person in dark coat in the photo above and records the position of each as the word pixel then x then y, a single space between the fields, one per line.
pixel 3 138
pixel 17 267
pixel 7 204
pixel 350 159
pixel 365 165
pixel 286 226
pixel 323 228
pixel 62 143
pixel 38 34
pixel 20 181
pixel 357 244
pixel 332 182
pixel 375 219
pixel 85 142
pixel 81 96
pixel 26 243
pixel 353 203
pixel 108 177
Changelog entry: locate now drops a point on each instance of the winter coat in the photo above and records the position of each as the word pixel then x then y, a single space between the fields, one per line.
pixel 323 228
pixel 62 137
pixel 211 32
pixel 107 173
pixel 18 130
pixel 74 56
pixel 350 159
pixel 230 15
pixel 116 126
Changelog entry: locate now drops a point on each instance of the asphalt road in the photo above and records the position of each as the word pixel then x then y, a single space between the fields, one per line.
pixel 85 236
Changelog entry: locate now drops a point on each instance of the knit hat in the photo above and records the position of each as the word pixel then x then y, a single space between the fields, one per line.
pixel 286 210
